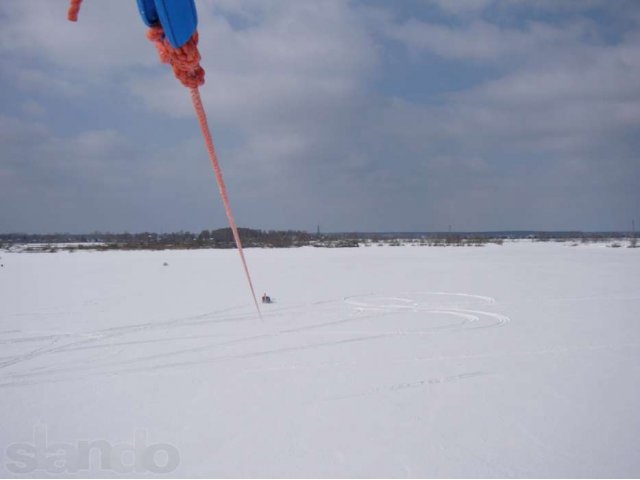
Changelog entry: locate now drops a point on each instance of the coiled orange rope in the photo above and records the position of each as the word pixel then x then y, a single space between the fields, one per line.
pixel 185 62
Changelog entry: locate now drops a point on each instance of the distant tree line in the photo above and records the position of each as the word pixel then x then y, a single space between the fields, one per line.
pixel 220 238
pixel 252 238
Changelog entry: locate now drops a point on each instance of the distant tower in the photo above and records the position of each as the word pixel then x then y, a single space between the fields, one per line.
pixel 318 230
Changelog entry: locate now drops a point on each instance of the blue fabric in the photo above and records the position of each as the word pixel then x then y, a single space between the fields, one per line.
pixel 178 18
pixel 148 12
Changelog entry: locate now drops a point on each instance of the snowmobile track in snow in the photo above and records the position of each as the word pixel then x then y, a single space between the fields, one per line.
pixel 112 351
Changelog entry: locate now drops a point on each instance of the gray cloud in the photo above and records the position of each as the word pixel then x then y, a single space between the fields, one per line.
pixel 306 134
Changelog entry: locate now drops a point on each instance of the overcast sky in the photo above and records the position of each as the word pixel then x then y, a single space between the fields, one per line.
pixel 356 115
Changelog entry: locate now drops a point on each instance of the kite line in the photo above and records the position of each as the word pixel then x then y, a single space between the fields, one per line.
pixel 185 62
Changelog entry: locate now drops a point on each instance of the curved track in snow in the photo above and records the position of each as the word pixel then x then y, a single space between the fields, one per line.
pixel 234 334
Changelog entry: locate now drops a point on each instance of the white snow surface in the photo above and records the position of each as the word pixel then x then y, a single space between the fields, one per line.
pixel 521 360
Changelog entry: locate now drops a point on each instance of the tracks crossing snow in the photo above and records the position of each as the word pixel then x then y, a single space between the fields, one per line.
pixel 184 342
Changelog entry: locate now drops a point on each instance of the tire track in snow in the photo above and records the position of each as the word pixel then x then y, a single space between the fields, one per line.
pixel 460 306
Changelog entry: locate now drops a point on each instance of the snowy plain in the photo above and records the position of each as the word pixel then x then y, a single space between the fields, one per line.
pixel 521 360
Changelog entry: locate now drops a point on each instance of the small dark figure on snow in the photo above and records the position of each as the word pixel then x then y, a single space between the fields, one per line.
pixel 266 298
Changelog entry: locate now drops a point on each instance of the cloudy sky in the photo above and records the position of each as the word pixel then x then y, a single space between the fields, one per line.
pixel 371 115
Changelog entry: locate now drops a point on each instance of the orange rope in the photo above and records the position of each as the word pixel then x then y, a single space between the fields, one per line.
pixel 185 62
pixel 206 133
pixel 74 9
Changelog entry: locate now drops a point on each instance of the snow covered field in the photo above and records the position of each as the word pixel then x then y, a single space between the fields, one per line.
pixel 515 360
